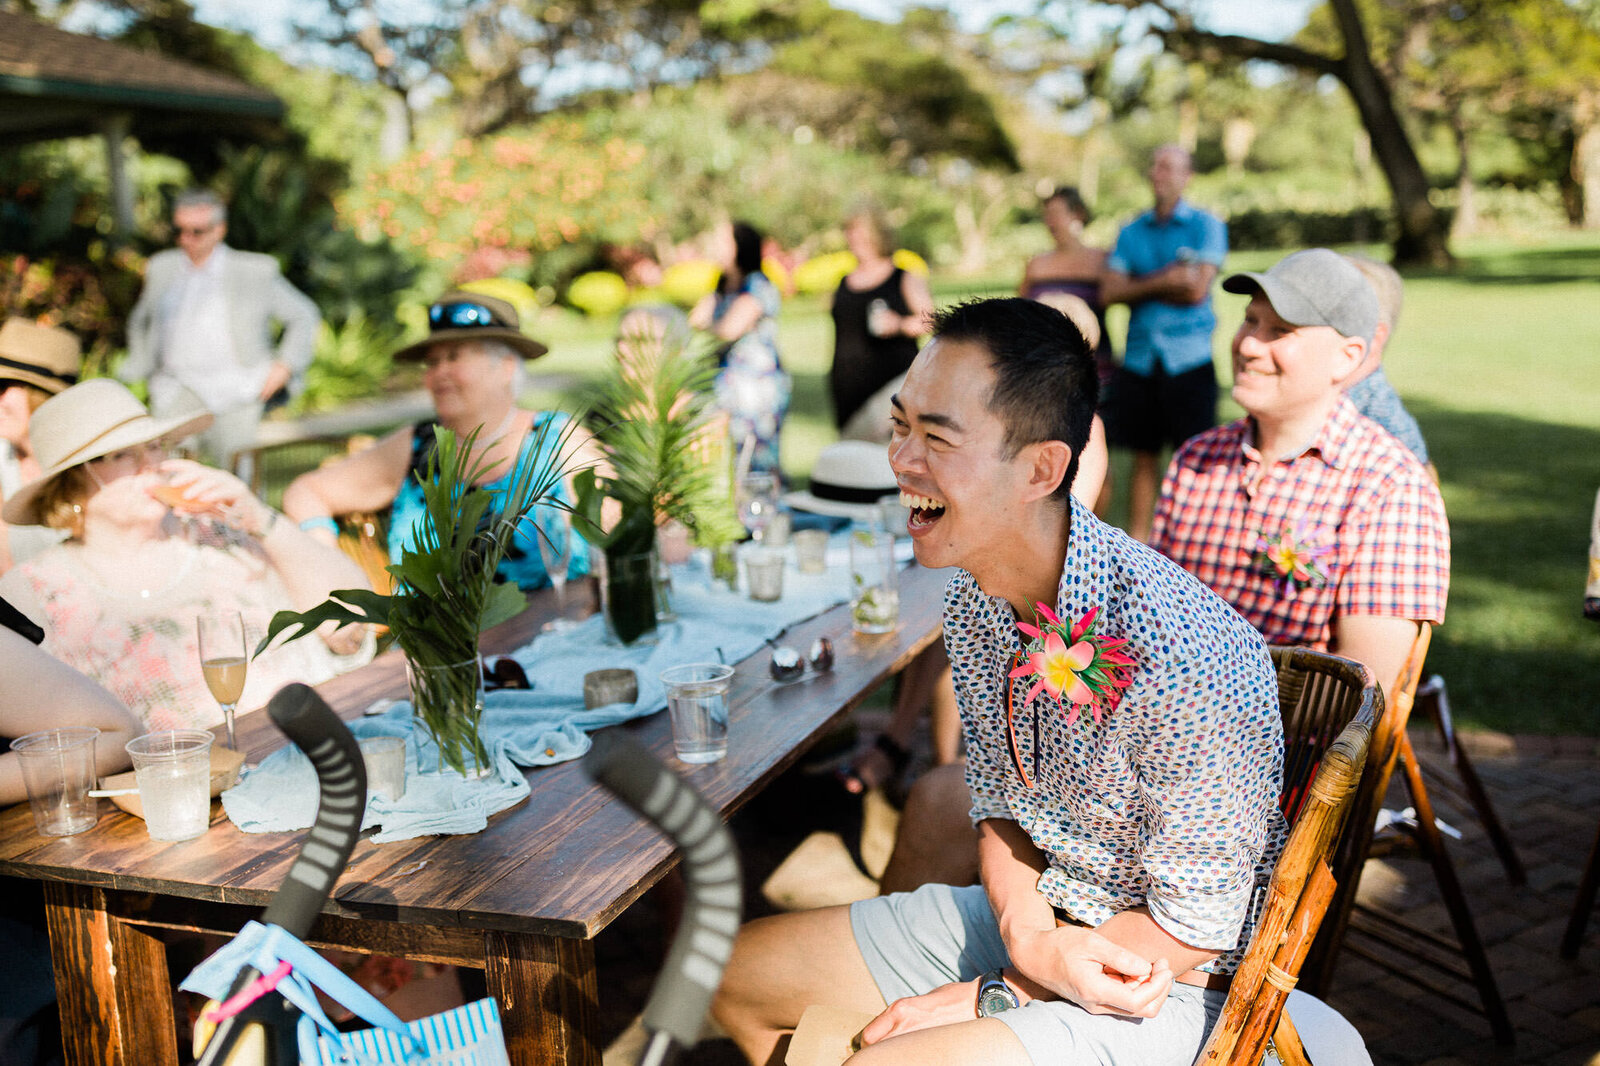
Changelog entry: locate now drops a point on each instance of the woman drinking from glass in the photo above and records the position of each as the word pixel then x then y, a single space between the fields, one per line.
pixel 152 543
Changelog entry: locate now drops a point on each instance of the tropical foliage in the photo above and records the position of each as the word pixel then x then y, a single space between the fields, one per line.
pixel 445 591
pixel 665 446
pixel 552 190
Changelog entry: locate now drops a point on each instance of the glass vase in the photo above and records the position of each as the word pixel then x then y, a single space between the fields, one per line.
pixel 628 596
pixel 447 705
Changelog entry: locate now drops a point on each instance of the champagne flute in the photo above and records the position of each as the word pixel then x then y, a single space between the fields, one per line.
pixel 555 549
pixel 223 661
pixel 758 502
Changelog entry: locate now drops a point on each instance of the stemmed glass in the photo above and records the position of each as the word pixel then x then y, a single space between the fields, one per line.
pixel 555 549
pixel 224 661
pixel 758 502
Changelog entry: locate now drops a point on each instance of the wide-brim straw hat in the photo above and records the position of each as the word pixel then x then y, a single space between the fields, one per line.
pixel 450 319
pixel 46 357
pixel 84 422
pixel 847 481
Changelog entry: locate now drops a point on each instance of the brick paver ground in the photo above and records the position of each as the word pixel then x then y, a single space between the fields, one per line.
pixel 1547 790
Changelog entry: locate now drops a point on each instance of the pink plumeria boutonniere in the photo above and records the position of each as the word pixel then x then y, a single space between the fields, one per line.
pixel 1075 664
pixel 1294 557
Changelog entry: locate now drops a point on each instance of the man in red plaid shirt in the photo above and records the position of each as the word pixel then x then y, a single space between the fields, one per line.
pixel 1316 524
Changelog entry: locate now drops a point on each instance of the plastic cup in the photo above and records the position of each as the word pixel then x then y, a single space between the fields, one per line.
pixel 58 771
pixel 697 699
pixel 874 582
pixel 893 515
pixel 811 550
pixel 764 574
pixel 385 758
pixel 777 531
pixel 173 769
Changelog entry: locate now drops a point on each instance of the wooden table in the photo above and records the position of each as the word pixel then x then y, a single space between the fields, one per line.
pixel 521 900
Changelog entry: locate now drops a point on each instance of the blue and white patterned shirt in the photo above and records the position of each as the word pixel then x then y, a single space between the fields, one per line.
pixel 1375 397
pixel 1172 799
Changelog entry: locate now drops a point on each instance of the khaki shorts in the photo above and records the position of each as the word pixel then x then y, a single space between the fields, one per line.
pixel 913 942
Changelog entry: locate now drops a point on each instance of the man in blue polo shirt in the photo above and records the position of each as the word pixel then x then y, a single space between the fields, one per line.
pixel 1166 389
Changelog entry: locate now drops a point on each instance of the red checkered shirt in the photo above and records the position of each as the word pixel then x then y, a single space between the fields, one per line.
pixel 1355 493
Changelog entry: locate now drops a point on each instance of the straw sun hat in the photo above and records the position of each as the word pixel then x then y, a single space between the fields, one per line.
pixel 45 357
pixel 85 422
pixel 459 315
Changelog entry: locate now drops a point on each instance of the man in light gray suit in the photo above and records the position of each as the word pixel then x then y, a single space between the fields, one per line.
pixel 202 333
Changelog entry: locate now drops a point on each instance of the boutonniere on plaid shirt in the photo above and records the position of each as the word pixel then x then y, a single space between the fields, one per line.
pixel 1294 557
pixel 1076 664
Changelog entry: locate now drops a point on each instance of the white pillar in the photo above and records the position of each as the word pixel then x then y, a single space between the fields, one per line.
pixel 114 128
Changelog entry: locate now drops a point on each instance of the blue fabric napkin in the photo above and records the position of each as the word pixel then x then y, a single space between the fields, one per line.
pixel 547 723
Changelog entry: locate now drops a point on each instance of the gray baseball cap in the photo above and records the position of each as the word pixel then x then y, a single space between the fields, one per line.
pixel 1316 287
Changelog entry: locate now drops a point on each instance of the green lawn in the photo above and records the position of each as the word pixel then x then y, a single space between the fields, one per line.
pixel 1500 362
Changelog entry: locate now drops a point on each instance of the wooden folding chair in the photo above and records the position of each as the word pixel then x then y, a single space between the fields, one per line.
pixel 1405 949
pixel 1583 905
pixel 1329 707
pixel 1434 705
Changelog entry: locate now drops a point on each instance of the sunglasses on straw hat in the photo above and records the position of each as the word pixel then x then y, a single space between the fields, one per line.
pixel 467 316
pixel 92 420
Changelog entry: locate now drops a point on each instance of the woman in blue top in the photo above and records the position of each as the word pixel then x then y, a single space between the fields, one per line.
pixel 473 368
pixel 742 313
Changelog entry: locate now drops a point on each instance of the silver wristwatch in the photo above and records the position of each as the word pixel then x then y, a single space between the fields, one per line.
pixel 994 995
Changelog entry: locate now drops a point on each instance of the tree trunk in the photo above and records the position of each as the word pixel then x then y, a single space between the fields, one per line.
pixel 1422 238
pixel 1188 124
pixel 1094 150
pixel 973 255
pixel 394 139
pixel 1238 136
pixel 1586 156
pixel 1465 222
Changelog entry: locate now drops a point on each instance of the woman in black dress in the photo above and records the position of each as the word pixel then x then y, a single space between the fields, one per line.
pixel 879 311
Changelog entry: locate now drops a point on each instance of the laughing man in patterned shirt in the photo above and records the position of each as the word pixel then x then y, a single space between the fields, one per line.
pixel 1305 478
pixel 1119 856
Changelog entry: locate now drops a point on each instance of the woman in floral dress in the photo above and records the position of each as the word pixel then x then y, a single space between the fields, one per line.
pixel 752 386
pixel 151 544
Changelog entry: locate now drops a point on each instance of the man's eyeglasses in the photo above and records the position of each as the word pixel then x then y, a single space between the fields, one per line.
pixel 461 316
pixel 195 231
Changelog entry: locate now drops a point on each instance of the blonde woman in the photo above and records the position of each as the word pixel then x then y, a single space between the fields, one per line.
pixel 152 543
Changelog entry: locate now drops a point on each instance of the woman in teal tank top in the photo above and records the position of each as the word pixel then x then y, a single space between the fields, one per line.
pixel 472 369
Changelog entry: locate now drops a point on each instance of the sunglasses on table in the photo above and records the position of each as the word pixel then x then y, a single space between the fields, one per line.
pixel 461 315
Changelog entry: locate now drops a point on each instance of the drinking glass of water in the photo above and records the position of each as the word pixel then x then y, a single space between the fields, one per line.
pixel 758 502
pixel 224 661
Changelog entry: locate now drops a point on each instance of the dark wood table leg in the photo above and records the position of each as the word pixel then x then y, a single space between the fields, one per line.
pixel 111 982
pixel 548 996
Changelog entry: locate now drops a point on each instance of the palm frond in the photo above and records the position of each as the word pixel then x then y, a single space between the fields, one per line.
pixel 659 430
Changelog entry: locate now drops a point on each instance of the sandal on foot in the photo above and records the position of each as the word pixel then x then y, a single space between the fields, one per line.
pixel 857 779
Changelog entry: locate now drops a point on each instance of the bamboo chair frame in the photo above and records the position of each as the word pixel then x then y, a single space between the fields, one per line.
pixel 1406 950
pixel 1330 706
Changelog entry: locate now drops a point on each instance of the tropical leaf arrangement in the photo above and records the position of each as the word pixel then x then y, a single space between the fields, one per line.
pixel 445 592
pixel 657 426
